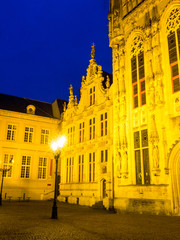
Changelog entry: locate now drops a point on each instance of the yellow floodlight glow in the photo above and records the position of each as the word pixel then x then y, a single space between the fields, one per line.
pixel 58 143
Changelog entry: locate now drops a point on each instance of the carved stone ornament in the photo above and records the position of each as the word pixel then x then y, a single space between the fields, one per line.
pixel 137 46
pixel 173 21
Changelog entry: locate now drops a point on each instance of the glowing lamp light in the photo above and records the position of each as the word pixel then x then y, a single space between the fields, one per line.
pixel 58 144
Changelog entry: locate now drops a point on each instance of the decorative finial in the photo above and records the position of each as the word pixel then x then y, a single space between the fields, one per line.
pixel 71 90
pixel 107 82
pixel 93 51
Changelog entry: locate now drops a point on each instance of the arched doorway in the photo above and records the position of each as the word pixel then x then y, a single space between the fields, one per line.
pixel 175 178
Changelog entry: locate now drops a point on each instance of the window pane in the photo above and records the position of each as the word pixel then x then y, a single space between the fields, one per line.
pixel 135 101
pixel 144 138
pixel 136 140
pixel 176 84
pixel 146 166
pixel 172 48
pixel 138 167
pixel 175 70
pixel 143 99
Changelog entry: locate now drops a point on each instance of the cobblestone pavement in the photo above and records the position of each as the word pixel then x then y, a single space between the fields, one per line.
pixel 31 221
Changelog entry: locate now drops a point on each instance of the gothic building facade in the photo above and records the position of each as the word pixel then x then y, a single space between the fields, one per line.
pixel 86 166
pixel 123 136
pixel 145 40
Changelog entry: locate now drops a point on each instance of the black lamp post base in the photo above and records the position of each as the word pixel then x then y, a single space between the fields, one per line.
pixel 54 212
pixel 0 200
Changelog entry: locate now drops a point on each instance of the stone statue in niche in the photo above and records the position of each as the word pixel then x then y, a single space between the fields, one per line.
pixel 71 90
pixel 155 154
pixel 64 107
pixel 118 164
pixel 124 161
pixel 107 82
pixel 116 58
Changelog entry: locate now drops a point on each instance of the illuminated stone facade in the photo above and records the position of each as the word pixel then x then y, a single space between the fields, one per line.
pixel 145 40
pixel 86 166
pixel 123 148
pixel 27 126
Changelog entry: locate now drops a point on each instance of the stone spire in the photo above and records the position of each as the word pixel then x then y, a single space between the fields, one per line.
pixel 93 51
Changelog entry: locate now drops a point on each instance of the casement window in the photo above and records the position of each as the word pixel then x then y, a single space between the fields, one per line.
pixel 138 80
pixel 42 169
pixel 8 161
pixel 141 151
pixel 174 58
pixel 81 168
pixel 92 128
pixel 92 96
pixel 81 132
pixel 103 122
pixel 11 132
pixel 44 136
pixel 25 166
pixel 28 135
pixel 104 155
pixel 70 170
pixel 92 167
pixel 71 133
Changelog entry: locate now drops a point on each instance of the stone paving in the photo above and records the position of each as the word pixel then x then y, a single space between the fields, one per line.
pixel 31 221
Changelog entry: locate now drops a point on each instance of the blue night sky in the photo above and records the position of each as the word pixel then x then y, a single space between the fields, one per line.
pixel 45 45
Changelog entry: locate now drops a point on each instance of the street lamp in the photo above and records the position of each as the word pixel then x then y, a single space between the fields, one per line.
pixel 4 170
pixel 56 146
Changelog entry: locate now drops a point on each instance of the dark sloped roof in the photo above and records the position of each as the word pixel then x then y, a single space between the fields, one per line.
pixel 18 104
pixel 105 74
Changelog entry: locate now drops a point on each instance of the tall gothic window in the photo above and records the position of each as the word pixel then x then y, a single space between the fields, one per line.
pixel 91 128
pixel 92 96
pixel 81 168
pixel 138 73
pixel 141 151
pixel 71 133
pixel 173 36
pixel 81 132
pixel 70 170
pixel 92 167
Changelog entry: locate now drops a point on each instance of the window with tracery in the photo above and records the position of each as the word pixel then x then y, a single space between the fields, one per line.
pixel 173 37
pixel 141 152
pixel 138 73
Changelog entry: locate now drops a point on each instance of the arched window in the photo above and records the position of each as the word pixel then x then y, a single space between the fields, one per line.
pixel 138 73
pixel 173 36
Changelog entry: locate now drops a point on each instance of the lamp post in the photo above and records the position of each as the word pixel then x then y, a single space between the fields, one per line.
pixel 56 146
pixel 3 170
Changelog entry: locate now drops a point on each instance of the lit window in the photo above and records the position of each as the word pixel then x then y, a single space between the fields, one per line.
pixel 44 136
pixel 81 132
pixel 71 133
pixel 28 135
pixel 25 167
pixel 142 157
pixel 69 170
pixel 138 80
pixel 103 121
pixel 92 128
pixel 11 132
pixel 8 160
pixel 104 155
pixel 42 169
pixel 92 96
pixel 81 168
pixel 91 167
pixel 174 58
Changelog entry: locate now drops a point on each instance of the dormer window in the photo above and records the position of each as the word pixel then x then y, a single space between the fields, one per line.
pixel 31 109
pixel 92 96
